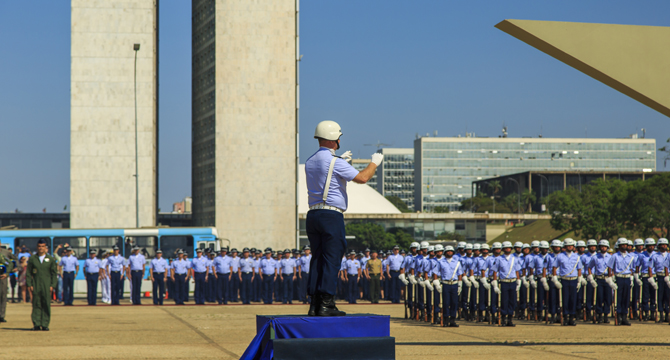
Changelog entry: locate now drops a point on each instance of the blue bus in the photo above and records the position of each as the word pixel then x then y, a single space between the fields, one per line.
pixel 82 240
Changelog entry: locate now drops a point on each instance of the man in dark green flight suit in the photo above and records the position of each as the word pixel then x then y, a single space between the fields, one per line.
pixel 6 267
pixel 41 279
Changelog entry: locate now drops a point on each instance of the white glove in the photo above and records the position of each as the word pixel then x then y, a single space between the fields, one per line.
pixel 637 279
pixel 346 156
pixel 466 281
pixel 460 287
pixel 494 285
pixel 611 283
pixel 653 283
pixel 591 280
pixel 580 281
pixel 525 282
pixel 583 280
pixel 412 279
pixel 557 282
pixel 403 279
pixel 545 285
pixel 437 286
pixel 632 281
pixel 518 285
pixel 667 280
pixel 422 284
pixel 474 281
pixel 485 283
pixel 533 283
pixel 429 286
pixel 377 158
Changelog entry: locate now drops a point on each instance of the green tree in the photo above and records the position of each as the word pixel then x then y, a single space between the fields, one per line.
pixel 647 206
pixel 373 236
pixel 398 203
pixel 563 205
pixel 450 236
pixel 495 186
pixel 528 198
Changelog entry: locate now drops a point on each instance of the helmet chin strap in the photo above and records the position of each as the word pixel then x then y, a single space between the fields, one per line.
pixel 338 144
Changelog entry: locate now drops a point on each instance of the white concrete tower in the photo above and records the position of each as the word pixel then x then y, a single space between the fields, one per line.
pixel 245 57
pixel 102 113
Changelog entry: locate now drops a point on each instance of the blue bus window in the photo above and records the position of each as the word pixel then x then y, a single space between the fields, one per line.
pixel 106 243
pixel 78 245
pixel 148 245
pixel 29 243
pixel 170 245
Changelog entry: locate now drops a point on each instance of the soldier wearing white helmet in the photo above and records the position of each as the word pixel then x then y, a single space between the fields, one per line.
pixel 659 266
pixel 437 291
pixel 466 264
pixel 567 271
pixel 483 309
pixel 428 270
pixel 327 176
pixel 554 294
pixel 647 296
pixel 620 269
pixel 531 251
pixel 541 289
pixel 597 277
pixel 447 280
pixel 636 250
pixel 494 293
pixel 586 294
pixel 420 261
pixel 507 270
pixel 407 277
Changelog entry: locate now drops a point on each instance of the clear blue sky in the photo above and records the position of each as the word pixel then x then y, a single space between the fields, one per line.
pixel 385 70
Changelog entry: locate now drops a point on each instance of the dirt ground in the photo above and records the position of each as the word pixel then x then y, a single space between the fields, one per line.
pixel 223 332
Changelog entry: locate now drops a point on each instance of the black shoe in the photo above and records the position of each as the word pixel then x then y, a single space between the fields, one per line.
pixel 316 298
pixel 2 320
pixel 509 321
pixel 624 321
pixel 606 319
pixel 327 307
pixel 572 321
pixel 452 322
pixel 45 328
pixel 37 328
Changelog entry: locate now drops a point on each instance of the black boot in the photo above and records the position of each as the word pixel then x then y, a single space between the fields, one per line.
pixel 509 321
pixel 624 320
pixel 452 322
pixel 660 318
pixel 606 320
pixel 327 307
pixel 572 321
pixel 599 319
pixel 314 304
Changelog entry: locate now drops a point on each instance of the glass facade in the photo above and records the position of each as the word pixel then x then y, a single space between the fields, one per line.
pixel 450 165
pixel 395 176
pixel 360 164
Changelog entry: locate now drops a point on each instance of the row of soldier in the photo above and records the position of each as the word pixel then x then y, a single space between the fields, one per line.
pixel 559 282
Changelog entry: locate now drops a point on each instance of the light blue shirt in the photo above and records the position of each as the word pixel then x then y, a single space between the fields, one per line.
pixel 506 267
pixel 199 264
pixel 644 262
pixel 316 171
pixel 69 263
pixel 268 266
pixel 158 265
pixel 598 263
pixel 408 264
pixel 116 263
pixel 136 262
pixel 287 266
pixel 181 266
pixel 92 265
pixel 491 262
pixel 658 262
pixel 257 265
pixel 450 269
pixel 364 261
pixel 222 264
pixel 235 263
pixel 585 258
pixel 568 265
pixel 395 262
pixel 246 265
pixel 353 266
pixel 304 263
pixel 622 264
pixel 483 265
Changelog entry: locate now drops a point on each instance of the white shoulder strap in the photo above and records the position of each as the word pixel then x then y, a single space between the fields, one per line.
pixel 458 263
pixel 511 266
pixel 330 176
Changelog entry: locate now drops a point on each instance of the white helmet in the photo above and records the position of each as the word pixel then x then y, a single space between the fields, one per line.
pixel 544 244
pixel 414 245
pixel 449 248
pixel 568 242
pixel 581 243
pixel 630 242
pixel 518 244
pixel 461 244
pixel 506 244
pixel 638 242
pixel 485 247
pixel 534 243
pixel 649 241
pixel 592 242
pixel 431 248
pixel 328 130
pixel 438 247
pixel 662 241
pixel 526 246
pixel 477 247
pixel 424 245
pixel 496 245
pixel 604 242
pixel 468 246
pixel 621 241
pixel 556 243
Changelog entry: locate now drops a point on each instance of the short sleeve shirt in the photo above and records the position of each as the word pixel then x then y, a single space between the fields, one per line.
pixel 316 171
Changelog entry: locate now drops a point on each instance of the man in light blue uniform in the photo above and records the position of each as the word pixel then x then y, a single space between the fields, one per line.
pixel 158 274
pixel 521 304
pixel 180 276
pixel 234 286
pixel 587 292
pixel 556 247
pixel 137 265
pixel 597 269
pixel 621 267
pixel 92 273
pixel 364 282
pixel 245 273
pixel 506 270
pixel 466 264
pixel 638 246
pixel 353 270
pixel 530 278
pixel 223 270
pixel 484 288
pixel 303 265
pixel 115 266
pixel 200 276
pixel 70 267
pixel 327 177
pixel 407 271
pixel 448 281
pixel 658 267
pixel 393 271
pixel 648 301
pixel 256 283
pixel 268 273
pixel 494 292
pixel 473 279
pixel 568 268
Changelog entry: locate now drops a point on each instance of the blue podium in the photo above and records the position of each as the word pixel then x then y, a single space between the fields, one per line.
pixel 364 336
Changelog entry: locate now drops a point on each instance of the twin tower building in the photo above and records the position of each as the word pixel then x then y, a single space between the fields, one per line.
pixel 244 116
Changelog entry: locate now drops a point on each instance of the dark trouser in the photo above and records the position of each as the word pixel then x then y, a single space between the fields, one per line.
pixel 483 297
pixel 92 287
pixel 436 301
pixel 199 293
pixel 385 287
pixel 115 279
pixel 136 296
pixel 268 282
pixel 222 288
pixel 245 288
pixel 450 300
pixel 623 296
pixel 569 293
pixel 121 287
pixel 256 286
pixel 68 287
pixel 603 297
pixel 580 297
pixel 541 297
pixel 278 293
pixel 353 288
pixel 158 288
pixel 234 287
pixel 325 230
pixel 507 298
pixel 553 297
pixel 494 299
pixel 3 297
pixel 663 295
pixel 170 288
pixel 589 293
pixel 375 287
pixel 473 298
pixel 637 289
pixel 532 293
pixel 395 286
pixel 463 303
pixel 179 285
pixel 420 292
pixel 648 296
pixel 302 293
pixel 210 287
pixel 522 303
pixel 429 301
pixel 365 284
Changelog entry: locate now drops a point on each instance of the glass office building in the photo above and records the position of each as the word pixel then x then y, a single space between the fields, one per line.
pixel 395 176
pixel 450 165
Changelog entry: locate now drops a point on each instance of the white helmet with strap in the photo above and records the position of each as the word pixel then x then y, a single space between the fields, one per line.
pixel 328 130
pixel 592 242
pixel 649 241
pixel 604 242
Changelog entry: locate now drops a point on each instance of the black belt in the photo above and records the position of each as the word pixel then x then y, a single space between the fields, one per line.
pixel 201 272
pixel 159 273
pixel 90 273
pixel 135 270
pixel 68 272
pixel 223 273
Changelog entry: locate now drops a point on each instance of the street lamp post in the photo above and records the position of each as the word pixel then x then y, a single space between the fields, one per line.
pixel 136 48
pixel 541 192
pixel 518 198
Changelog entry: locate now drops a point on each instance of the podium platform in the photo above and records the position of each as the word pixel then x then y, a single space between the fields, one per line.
pixel 355 336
